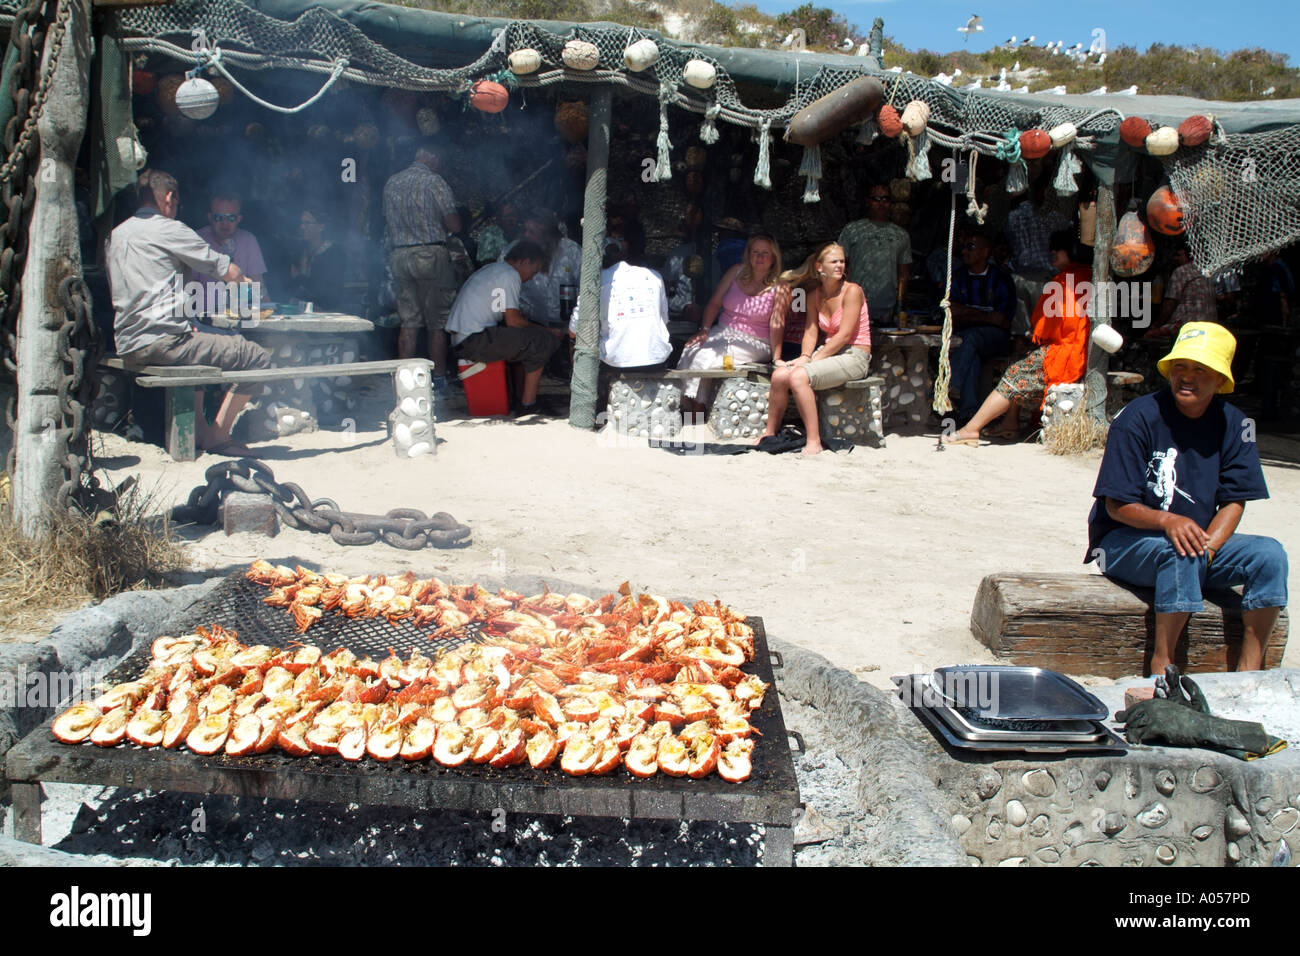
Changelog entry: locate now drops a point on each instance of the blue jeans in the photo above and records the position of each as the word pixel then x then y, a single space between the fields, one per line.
pixel 978 342
pixel 1148 559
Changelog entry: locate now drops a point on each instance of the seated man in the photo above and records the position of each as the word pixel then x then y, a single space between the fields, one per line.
pixel 146 256
pixel 541 295
pixel 223 234
pixel 1189 297
pixel 983 302
pixel 486 324
pixel 1179 466
pixel 633 317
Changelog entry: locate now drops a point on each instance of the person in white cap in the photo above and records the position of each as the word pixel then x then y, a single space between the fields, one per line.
pixel 1179 467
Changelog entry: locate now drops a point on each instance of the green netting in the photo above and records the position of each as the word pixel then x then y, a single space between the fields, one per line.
pixel 1240 196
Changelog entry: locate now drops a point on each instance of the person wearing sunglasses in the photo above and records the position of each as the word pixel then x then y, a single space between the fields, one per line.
pixel 223 234
pixel 879 255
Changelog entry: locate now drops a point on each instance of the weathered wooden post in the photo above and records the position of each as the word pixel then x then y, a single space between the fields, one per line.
pixel 586 350
pixel 1098 359
pixel 53 254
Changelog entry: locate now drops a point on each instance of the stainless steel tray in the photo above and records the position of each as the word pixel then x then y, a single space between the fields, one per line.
pixel 1017 693
pixel 1070 732
pixel 930 717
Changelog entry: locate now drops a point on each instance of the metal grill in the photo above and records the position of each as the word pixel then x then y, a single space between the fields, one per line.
pixel 769 797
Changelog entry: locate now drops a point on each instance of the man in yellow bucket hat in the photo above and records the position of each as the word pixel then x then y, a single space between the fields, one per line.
pixel 1179 467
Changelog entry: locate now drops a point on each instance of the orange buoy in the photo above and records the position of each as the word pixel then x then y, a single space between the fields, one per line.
pixel 1165 213
pixel 488 96
pixel 1035 144
pixel 1134 131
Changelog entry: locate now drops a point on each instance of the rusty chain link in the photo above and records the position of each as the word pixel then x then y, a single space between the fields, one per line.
pixel 404 528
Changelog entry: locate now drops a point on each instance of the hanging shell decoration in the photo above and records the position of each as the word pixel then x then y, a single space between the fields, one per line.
pixel 700 74
pixel 641 55
pixel 581 55
pixel 525 61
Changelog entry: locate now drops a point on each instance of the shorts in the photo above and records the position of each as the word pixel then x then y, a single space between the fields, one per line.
pixel 851 364
pixel 230 353
pixel 1025 381
pixel 504 343
pixel 424 284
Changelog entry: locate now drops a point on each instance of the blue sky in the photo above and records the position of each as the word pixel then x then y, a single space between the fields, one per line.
pixel 932 24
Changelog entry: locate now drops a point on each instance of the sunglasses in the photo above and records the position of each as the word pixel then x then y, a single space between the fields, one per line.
pixel 224 216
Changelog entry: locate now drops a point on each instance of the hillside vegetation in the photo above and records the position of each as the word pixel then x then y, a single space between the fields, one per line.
pixel 1162 69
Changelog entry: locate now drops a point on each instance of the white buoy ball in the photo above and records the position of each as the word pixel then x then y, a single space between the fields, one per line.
pixel 197 98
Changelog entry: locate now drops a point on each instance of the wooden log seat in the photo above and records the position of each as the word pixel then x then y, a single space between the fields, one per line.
pixel 1088 624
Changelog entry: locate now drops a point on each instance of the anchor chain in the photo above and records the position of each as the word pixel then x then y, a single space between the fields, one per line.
pixel 405 528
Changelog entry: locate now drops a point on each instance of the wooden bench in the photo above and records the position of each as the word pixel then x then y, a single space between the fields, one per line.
pixel 1089 624
pixel 181 381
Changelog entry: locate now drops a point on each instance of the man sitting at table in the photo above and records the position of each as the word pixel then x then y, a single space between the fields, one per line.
pixel 633 315
pixel 147 255
pixel 223 234
pixel 983 302
pixel 487 325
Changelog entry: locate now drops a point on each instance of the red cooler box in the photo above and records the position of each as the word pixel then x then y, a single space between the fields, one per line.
pixel 485 388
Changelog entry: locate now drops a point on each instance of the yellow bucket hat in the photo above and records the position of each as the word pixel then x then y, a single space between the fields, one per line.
pixel 1208 343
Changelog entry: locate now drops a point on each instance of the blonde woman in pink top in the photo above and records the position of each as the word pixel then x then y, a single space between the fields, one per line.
pixel 749 308
pixel 840 308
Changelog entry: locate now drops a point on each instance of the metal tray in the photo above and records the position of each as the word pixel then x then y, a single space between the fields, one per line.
pixel 929 716
pixel 1062 731
pixel 1022 693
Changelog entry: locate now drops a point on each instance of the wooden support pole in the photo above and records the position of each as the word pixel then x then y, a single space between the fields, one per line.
pixel 586 351
pixel 53 254
pixel 1098 359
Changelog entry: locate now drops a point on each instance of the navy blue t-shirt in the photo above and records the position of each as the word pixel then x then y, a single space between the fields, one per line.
pixel 1158 456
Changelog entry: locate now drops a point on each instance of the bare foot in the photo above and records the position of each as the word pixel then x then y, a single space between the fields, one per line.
pixel 810 449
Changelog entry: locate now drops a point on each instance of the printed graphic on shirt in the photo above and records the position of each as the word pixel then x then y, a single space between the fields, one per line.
pixel 1162 477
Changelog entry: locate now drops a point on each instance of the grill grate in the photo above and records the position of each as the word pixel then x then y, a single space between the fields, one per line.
pixel 236 604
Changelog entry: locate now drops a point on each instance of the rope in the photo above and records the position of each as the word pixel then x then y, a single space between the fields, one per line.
pixel 214 59
pixel 941 401
pixel 974 209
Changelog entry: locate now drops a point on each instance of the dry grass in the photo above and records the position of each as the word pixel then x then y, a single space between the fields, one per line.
pixel 82 559
pixel 1076 433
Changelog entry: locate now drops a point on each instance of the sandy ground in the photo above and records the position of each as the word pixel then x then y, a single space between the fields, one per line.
pixel 871 558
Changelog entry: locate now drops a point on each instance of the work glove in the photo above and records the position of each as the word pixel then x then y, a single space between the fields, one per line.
pixel 1180 725
pixel 1181 690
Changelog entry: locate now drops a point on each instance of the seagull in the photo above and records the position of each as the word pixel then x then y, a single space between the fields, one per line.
pixel 1101 59
pixel 1012 41
pixel 848 44
pixel 1003 86
pixel 1268 92
pixel 1016 68
pixel 895 69
pixel 789 38
pixel 973 25
pixel 956 72
pixel 1099 91
pixel 943 79
pixel 1131 91
pixel 1055 91
pixel 1031 38
pixel 979 82
pixel 864 49
pixel 1021 89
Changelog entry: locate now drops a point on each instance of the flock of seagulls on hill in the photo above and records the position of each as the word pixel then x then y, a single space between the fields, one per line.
pixel 797 40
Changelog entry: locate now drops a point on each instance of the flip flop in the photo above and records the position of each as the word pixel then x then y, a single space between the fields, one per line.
pixel 968 442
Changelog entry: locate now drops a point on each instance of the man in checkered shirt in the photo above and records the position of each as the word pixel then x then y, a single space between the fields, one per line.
pixel 420 211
